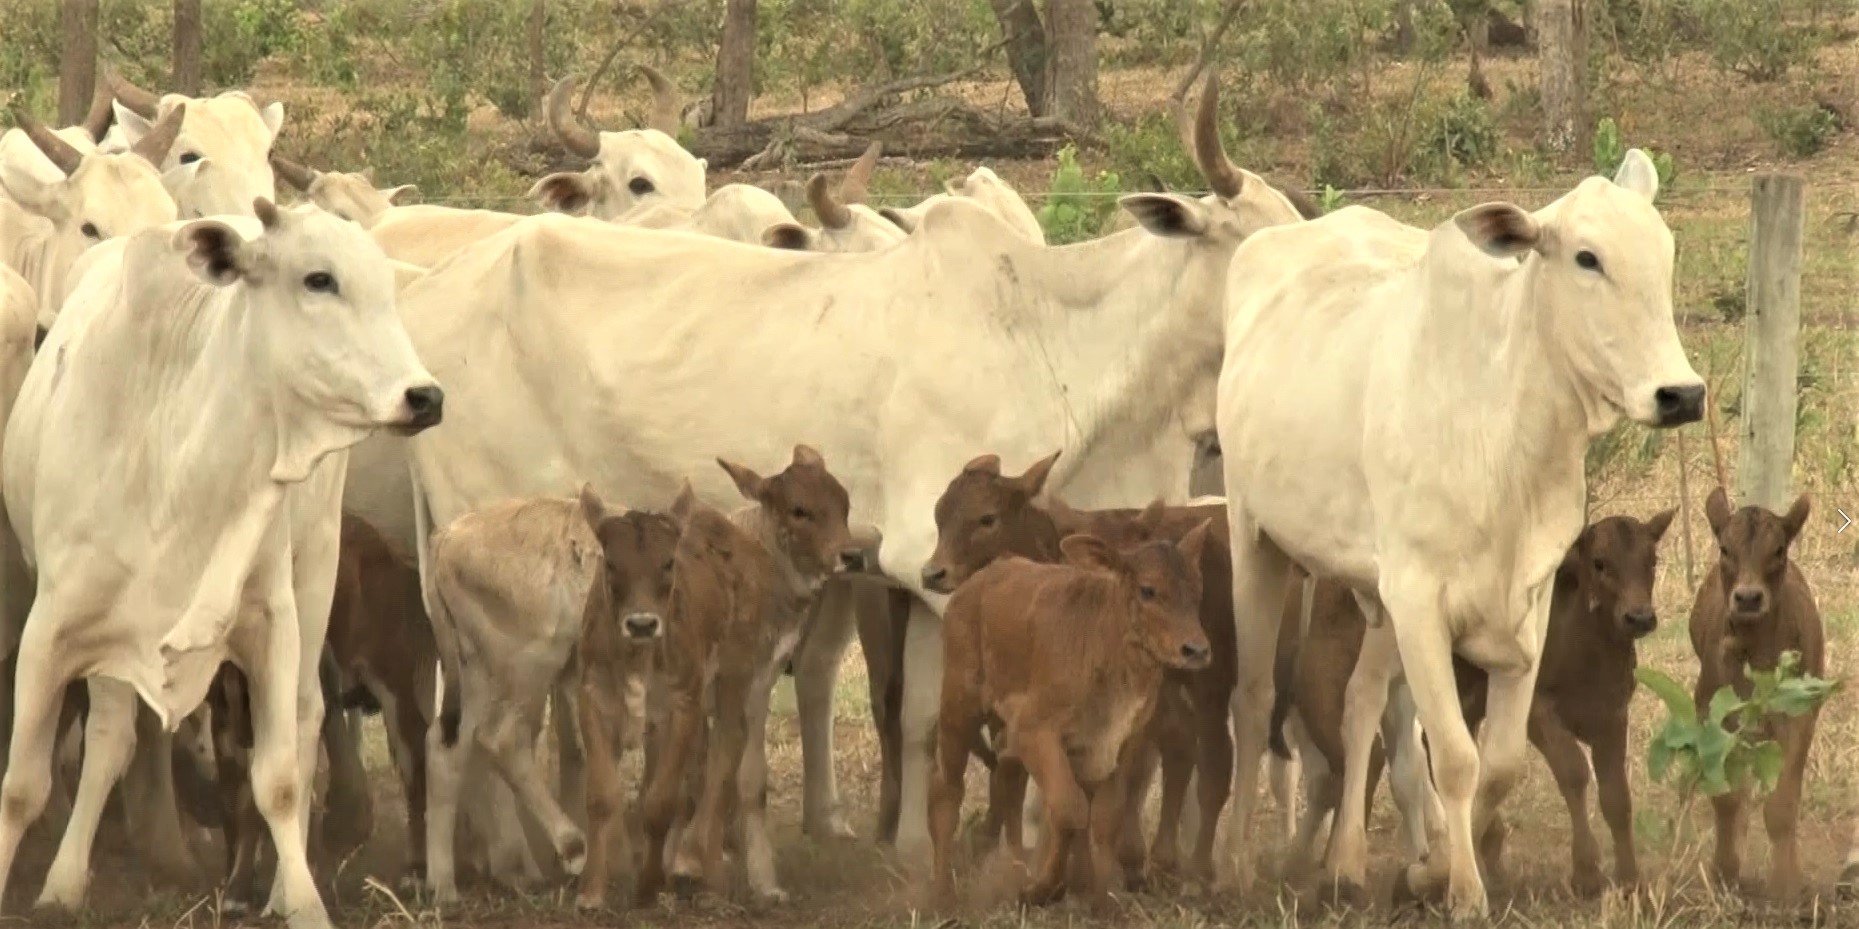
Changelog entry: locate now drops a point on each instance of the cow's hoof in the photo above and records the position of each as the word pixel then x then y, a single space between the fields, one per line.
pixel 1043 893
pixel 590 902
pixel 771 896
pixel 1349 894
pixel 686 886
pixel 574 854
pixel 442 897
pixel 1587 882
pixel 1465 901
pixel 1848 886
pixel 832 827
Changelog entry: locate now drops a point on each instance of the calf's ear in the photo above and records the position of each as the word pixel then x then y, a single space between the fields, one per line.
pixel 1660 522
pixel 749 483
pixel 1034 480
pixel 1089 551
pixel 215 251
pixel 1191 544
pixel 593 509
pixel 1796 517
pixel 686 502
pixel 1717 510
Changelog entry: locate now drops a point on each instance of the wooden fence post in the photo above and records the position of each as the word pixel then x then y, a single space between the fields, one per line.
pixel 1772 350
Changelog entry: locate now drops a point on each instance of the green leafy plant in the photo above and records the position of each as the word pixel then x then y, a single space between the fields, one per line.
pixel 1801 131
pixel 1330 200
pixel 1610 151
pixel 1718 752
pixel 1077 204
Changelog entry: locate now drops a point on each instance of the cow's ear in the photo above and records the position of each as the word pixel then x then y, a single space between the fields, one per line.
pixel 405 192
pixel 1717 510
pixel 1169 215
pixel 563 192
pixel 134 124
pixel 215 252
pixel 1089 551
pixel 273 115
pixel 1501 230
pixel 1638 174
pixel 900 220
pixel 36 191
pixel 791 237
pixel 749 483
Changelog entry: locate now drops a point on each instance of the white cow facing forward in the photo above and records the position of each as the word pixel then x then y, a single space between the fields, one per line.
pixel 174 470
pixel 1408 411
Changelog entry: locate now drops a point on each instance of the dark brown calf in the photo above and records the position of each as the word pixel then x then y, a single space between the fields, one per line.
pixel 741 587
pixel 1753 607
pixel 984 515
pixel 1601 605
pixel 627 606
pixel 1068 659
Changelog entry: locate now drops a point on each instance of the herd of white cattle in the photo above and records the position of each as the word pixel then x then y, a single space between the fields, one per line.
pixel 216 379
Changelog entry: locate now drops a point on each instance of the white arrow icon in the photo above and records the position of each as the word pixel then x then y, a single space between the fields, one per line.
pixel 1848 521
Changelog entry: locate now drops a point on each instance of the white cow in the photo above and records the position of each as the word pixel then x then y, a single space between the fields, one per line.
pixel 174 471
pixel 846 223
pixel 18 153
pixel 587 352
pixel 1407 411
pixel 629 168
pixel 985 187
pixel 351 196
pixel 90 196
pixel 219 166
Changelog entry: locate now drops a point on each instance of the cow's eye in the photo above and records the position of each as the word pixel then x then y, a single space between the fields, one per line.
pixel 668 565
pixel 1600 565
pixel 988 521
pixel 1588 260
pixel 188 158
pixel 91 232
pixel 800 512
pixel 321 282
pixel 640 186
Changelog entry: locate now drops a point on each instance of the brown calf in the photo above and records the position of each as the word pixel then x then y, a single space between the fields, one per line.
pixel 1753 607
pixel 625 618
pixel 742 585
pixel 984 515
pixel 1068 660
pixel 1601 605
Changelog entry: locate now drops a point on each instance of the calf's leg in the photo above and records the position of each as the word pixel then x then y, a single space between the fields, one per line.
pixel 508 735
pixel 758 853
pixel 881 639
pixel 1609 751
pixel 109 739
pixel 1067 813
pixel 1781 809
pixel 1213 774
pixel 1570 767
pixel 662 799
pixel 602 733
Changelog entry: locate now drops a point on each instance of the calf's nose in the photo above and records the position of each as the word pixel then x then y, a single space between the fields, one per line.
pixel 1640 622
pixel 641 625
pixel 852 559
pixel 1748 599
pixel 426 403
pixel 1679 404
pixel 934 578
pixel 1195 654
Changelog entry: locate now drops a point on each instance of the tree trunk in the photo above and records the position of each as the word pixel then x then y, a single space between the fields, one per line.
pixel 1478 38
pixel 1564 60
pixel 186 67
pixel 735 67
pixel 1404 27
pixel 77 63
pixel 538 54
pixel 1026 49
pixel 1074 60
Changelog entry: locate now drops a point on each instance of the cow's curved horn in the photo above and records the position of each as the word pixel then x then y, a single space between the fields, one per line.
pixel 667 110
pixel 1222 175
pixel 832 213
pixel 62 153
pixel 139 101
pixel 154 146
pixel 853 187
pixel 576 137
pixel 294 174
pixel 97 121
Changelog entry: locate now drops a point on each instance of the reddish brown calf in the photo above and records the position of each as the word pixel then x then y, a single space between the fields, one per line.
pixel 1068 659
pixel 741 587
pixel 626 612
pixel 1753 607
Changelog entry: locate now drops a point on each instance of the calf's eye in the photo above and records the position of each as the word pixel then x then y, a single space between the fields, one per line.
pixel 1146 592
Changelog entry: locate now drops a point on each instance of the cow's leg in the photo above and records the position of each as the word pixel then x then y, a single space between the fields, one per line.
pixel 153 811
pixel 881 639
pixel 1364 698
pixel 1260 573
pixel 279 710
pixel 508 735
pixel 1426 657
pixel 109 739
pixel 1323 790
pixel 1609 750
pixel 917 724
pixel 38 693
pixel 816 674
pixel 1283 775
pixel 758 853
pixel 1422 819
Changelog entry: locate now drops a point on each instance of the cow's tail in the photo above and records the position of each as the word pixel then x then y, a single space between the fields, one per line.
pixel 1284 670
pixel 447 701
